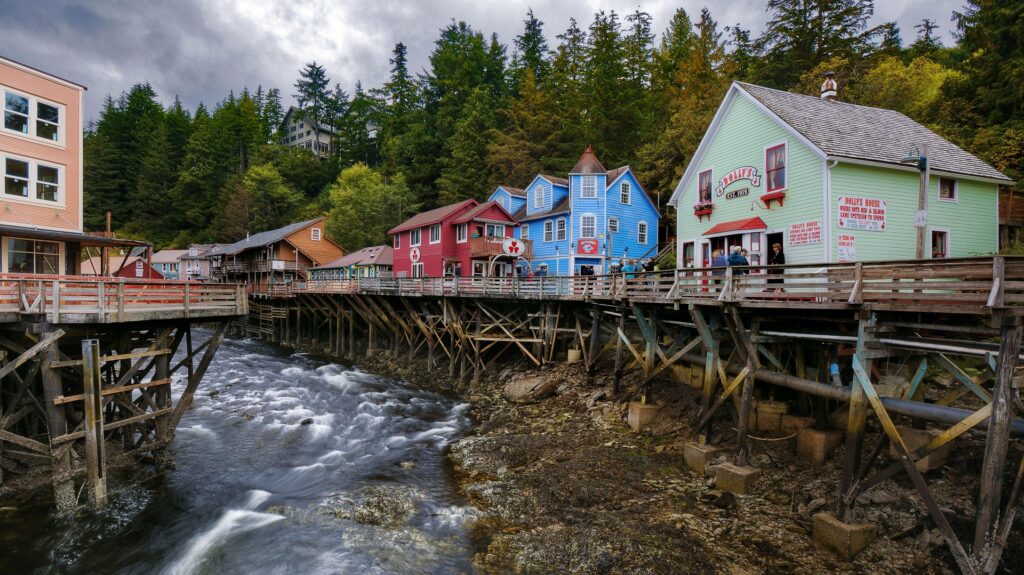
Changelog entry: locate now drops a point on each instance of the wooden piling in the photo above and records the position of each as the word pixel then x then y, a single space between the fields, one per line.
pixel 95 453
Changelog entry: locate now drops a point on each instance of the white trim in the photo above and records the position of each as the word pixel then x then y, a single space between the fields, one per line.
pixel 734 233
pixel 33 179
pixel 934 172
pixel 956 190
pixel 998 247
pixel 430 234
pixel 315 234
pixel 629 194
pixel 713 128
pixel 546 224
pixel 419 233
pixel 647 233
pixel 81 162
pixel 827 209
pixel 524 231
pixel 463 231
pixel 785 166
pixel 949 241
pixel 588 215
pixel 639 186
pixel 592 179
pixel 42 74
pixel 565 228
pixel 33 116
pixel 608 224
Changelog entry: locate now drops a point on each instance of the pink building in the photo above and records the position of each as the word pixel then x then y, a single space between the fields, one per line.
pixel 41 164
pixel 467 238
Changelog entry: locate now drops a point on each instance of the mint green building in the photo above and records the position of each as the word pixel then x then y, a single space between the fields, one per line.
pixel 828 181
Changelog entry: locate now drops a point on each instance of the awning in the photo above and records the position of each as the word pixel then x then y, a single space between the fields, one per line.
pixel 737 226
pixel 68 236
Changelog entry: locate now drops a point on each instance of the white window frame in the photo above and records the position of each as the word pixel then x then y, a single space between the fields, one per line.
pixel 583 218
pixel 435 228
pixel 613 225
pixel 461 233
pixel 315 234
pixel 764 166
pixel 711 178
pixel 33 181
pixel 33 117
pixel 549 231
pixel 417 270
pixel 949 241
pixel 524 231
pixel 494 228
pixel 538 197
pixel 588 187
pixel 956 191
pixel 626 191
pixel 642 233
pixel 415 237
pixel 560 229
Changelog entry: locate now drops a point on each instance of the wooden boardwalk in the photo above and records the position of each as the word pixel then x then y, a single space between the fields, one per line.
pixel 963 286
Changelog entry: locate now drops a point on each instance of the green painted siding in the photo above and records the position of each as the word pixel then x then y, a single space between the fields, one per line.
pixel 741 140
pixel 970 221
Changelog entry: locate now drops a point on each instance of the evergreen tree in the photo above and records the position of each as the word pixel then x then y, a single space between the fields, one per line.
pixel 313 93
pixel 271 115
pixel 607 122
pixel 257 201
pixel 531 53
pixel 464 171
pixel 364 207
pixel 991 35
pixel 355 140
pixel 927 42
pixel 567 88
pixel 523 148
pixel 495 76
pixel 178 123
pixel 153 204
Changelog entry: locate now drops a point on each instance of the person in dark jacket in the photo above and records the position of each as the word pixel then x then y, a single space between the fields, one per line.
pixel 776 258
pixel 736 259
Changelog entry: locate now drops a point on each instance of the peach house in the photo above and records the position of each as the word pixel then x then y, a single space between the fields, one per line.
pixel 41 164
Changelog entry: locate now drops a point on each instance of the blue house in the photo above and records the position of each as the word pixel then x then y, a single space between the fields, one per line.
pixel 594 218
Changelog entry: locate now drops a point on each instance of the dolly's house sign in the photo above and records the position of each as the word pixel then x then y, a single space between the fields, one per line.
pixel 744 173
pixel 861 213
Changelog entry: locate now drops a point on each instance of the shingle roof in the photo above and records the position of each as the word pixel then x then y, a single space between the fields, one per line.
pixel 588 163
pixel 369 256
pixel 515 191
pixel 168 256
pixel 431 216
pixel 262 239
pixel 561 207
pixel 555 180
pixel 847 130
pixel 612 174
pixel 468 216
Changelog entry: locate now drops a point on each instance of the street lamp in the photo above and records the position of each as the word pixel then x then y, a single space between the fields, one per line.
pixel 919 157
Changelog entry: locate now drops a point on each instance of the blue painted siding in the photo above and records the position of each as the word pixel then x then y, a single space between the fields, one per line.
pixel 640 209
pixel 507 200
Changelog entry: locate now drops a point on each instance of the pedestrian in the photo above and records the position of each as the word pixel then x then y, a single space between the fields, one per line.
pixel 736 259
pixel 718 264
pixel 776 258
pixel 629 269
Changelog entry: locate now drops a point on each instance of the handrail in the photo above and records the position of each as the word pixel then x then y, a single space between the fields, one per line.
pixel 962 284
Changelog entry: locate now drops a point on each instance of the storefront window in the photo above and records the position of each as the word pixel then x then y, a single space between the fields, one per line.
pixel 32 257
pixel 775 167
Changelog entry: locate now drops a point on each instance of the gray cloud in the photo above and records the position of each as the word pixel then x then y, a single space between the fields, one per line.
pixel 202 49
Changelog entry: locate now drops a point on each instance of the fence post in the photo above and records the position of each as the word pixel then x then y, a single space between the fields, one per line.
pixel 188 298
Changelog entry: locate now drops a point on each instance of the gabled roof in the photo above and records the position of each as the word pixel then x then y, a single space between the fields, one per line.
pixel 46 75
pixel 369 256
pixel 588 163
pixel 561 207
pixel 845 130
pixel 168 256
pixel 554 180
pixel 473 213
pixel 431 216
pixel 754 223
pixel 614 174
pixel 263 238
pixel 842 131
pixel 518 192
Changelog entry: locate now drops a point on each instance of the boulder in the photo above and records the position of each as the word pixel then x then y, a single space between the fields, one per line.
pixel 530 389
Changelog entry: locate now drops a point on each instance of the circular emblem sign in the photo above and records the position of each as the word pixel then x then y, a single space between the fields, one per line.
pixel 512 247
pixel 587 247
pixel 414 255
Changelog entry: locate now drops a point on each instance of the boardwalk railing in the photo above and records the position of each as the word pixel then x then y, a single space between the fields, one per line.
pixel 83 299
pixel 962 285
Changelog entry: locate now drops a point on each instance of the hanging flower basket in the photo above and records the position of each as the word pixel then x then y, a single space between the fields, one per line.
pixel 774 196
pixel 703 209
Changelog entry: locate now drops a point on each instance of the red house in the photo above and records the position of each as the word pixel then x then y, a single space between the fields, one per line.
pixel 467 238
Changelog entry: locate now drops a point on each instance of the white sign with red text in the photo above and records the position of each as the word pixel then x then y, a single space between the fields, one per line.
pixel 847 244
pixel 805 233
pixel 743 173
pixel 862 213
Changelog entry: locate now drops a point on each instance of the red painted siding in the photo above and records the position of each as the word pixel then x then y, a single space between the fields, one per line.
pixel 433 256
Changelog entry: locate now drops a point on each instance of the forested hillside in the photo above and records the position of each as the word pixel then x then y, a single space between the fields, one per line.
pixel 486 112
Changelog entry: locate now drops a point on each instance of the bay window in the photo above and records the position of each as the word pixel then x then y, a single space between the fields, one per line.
pixel 775 167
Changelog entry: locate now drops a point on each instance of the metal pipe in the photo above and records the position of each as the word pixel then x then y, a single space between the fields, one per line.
pixel 915 409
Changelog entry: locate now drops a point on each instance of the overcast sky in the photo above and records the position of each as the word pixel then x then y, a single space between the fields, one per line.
pixel 201 49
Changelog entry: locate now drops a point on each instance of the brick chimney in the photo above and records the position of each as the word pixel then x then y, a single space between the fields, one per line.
pixel 829 88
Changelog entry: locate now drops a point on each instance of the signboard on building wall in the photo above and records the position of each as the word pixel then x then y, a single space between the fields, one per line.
pixel 862 213
pixel 414 255
pixel 512 247
pixel 742 173
pixel 805 233
pixel 587 247
pixel 847 244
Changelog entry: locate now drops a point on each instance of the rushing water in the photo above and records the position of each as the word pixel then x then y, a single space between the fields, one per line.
pixel 272 460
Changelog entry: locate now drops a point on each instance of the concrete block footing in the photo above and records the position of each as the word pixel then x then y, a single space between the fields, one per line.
pixel 641 415
pixel 736 478
pixel 846 540
pixel 816 446
pixel 698 456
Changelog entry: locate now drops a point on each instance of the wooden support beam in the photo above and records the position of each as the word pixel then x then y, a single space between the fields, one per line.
pixel 42 344
pixel 856 422
pixel 195 378
pixel 617 381
pixel 95 456
pixel 56 422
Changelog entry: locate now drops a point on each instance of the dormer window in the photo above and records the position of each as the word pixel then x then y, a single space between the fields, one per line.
pixel 588 187
pixel 538 197
pixel 314 234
